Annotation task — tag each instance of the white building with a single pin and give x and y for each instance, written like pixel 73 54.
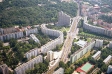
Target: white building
pixel 110 44
pixel 31 31
pixel 63 19
pixel 79 53
pixel 81 43
pixel 50 55
pixel 59 71
pixel 108 59
pixel 34 52
pixel 28 65
pixel 96 29
pixel 33 37
pixel 96 55
pixel 50 45
pixel 98 43
pixel 1 0
pixel 14 35
pixel 109 70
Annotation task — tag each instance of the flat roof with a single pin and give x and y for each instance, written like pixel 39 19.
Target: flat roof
pixel 95 55
pixel 107 59
pixel 86 67
pixel 81 43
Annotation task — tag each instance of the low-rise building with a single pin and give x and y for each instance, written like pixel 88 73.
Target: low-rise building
pixel 108 59
pixel 81 43
pixel 96 55
pixel 33 37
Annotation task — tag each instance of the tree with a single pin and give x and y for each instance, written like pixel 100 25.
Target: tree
pixel 92 61
pixel 12 42
pixel 68 71
pixel 65 33
pixel 1 44
pixel 61 64
pixel 104 68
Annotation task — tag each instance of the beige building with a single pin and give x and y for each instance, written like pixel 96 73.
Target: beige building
pixel 50 55
pixel 108 59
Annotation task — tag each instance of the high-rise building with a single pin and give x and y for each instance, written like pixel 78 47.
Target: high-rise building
pixel 109 70
pixel 4 69
pixel 50 55
pixel 63 19
pixel 98 43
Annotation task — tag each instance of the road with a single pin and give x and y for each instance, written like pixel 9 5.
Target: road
pixel 70 37
pixel 67 44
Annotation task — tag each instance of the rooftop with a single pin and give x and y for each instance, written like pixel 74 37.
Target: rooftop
pixel 95 55
pixel 81 43
pixel 107 59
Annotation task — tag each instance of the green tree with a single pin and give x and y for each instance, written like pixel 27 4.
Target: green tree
pixel 12 42
pixel 65 33
pixel 1 44
pixel 61 64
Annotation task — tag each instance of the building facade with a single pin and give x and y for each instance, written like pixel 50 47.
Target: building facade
pixel 28 65
pixel 34 38
pixel 34 52
pixel 15 35
pixel 50 45
pixel 98 43
pixel 79 53
pixel 50 55
pixel 96 55
pixel 96 29
pixel 63 19
pixel 108 59
pixel 31 31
